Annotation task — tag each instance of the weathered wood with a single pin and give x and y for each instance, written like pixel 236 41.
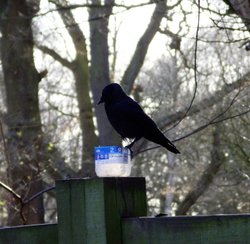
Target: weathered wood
pixel 29 234
pixel 90 210
pixel 107 210
pixel 199 229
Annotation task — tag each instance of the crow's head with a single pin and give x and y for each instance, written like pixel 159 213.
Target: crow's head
pixel 112 93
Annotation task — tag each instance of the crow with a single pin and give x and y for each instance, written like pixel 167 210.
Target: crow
pixel 129 120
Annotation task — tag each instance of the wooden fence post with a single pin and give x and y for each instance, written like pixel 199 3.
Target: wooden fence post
pixel 90 210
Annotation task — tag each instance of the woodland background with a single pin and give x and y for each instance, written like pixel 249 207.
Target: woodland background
pixel 187 65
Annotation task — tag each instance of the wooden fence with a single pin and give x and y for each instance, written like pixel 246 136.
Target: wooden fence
pixel 109 210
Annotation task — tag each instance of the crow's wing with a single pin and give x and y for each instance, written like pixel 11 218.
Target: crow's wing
pixel 128 119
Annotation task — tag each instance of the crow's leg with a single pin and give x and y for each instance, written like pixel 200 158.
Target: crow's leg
pixel 131 144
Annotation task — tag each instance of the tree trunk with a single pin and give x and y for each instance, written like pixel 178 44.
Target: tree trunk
pixel 79 67
pixel 217 159
pixel 99 72
pixel 24 123
pixel 142 47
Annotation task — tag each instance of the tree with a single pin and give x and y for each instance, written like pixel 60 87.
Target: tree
pixel 99 72
pixel 80 69
pixel 21 79
pixel 99 67
pixel 217 159
pixel 182 105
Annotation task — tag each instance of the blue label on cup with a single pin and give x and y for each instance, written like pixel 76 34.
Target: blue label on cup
pixel 110 154
pixel 102 153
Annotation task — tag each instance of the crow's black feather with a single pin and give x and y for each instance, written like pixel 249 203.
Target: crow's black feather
pixel 128 118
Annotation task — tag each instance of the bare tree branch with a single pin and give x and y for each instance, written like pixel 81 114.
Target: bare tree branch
pixel 217 119
pixel 195 71
pixel 55 55
pixel 200 128
pixel 7 188
pixel 210 123
pixel 56 108
pixel 22 202
pixel 217 159
pixel 142 47
pixel 6 152
pixel 62 7
pixel 207 102
pixel 38 194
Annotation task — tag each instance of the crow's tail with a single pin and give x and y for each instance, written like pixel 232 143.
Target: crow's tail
pixel 159 138
pixel 170 146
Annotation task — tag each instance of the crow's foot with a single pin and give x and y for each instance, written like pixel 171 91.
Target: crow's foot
pixel 131 151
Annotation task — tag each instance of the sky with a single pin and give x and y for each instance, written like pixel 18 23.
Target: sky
pixel 132 23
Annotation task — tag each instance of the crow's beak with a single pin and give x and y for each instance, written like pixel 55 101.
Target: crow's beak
pixel 101 101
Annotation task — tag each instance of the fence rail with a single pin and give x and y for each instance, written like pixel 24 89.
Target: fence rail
pixel 108 210
pixel 222 229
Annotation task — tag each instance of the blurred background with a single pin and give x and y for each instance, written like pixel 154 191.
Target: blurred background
pixel 185 62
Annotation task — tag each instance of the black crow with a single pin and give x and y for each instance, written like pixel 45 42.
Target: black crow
pixel 129 120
